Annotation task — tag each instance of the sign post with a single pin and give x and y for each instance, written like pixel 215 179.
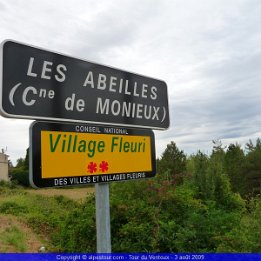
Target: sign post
pixel 103 225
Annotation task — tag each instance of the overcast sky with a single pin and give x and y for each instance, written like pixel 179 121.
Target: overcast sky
pixel 207 51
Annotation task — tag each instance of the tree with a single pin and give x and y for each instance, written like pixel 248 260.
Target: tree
pixel 23 163
pixel 217 146
pixel 20 173
pixel 200 164
pixel 234 164
pixel 250 146
pixel 173 161
pixel 20 163
pixel 252 169
pixel 26 160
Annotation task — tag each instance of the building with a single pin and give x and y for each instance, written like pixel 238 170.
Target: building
pixel 4 166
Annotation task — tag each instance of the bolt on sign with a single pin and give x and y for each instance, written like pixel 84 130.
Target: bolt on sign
pixel 39 84
pixel 70 154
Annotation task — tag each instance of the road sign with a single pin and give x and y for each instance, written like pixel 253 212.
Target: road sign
pixel 39 84
pixel 70 154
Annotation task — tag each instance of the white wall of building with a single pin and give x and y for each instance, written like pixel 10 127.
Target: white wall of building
pixel 3 166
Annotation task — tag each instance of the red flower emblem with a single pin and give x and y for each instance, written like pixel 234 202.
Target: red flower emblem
pixel 104 166
pixel 92 167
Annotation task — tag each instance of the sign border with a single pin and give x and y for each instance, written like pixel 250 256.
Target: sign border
pixel 36 127
pixel 2 112
pixel 6 114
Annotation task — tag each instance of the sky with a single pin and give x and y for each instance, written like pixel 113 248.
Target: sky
pixel 207 51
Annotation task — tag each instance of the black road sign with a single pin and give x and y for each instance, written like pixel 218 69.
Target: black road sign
pixel 39 84
pixel 70 154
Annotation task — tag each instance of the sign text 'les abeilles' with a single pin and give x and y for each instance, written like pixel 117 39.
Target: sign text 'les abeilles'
pixel 39 84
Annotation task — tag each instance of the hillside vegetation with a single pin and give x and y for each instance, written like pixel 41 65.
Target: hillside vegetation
pixel 200 203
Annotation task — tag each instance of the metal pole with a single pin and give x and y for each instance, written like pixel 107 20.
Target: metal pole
pixel 103 226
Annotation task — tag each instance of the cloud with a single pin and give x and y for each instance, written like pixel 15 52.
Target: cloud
pixel 207 52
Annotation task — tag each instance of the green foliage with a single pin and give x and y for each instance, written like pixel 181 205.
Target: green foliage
pixel 49 211
pixel 211 181
pixel 130 209
pixel 20 176
pixel 13 236
pixel 11 207
pixel 23 163
pixel 234 165
pixel 77 232
pixel 167 218
pixel 245 237
pixel 204 228
pixel 252 170
pixel 45 215
pixel 199 164
pixel 173 161
pixel 192 205
pixel 20 163
pixel 146 216
pixel 6 185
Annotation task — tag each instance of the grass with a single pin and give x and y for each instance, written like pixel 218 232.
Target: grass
pixel 15 237
pixel 41 211
pixel 72 193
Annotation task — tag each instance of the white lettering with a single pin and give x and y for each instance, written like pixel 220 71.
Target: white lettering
pixel 42 93
pixel 139 111
pixel 112 83
pixel 70 101
pixel 120 85
pixel 60 182
pixel 126 88
pixel 153 95
pixel 102 109
pixel 135 90
pixel 144 91
pixel 26 90
pixel 80 105
pixel 29 72
pixel 51 94
pixel 120 88
pixel 127 109
pixel 46 69
pixel 147 112
pixel 116 111
pixel 89 80
pixel 60 77
pixel 155 113
pixel 101 82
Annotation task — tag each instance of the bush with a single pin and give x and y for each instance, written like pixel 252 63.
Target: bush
pixel 245 236
pixel 153 216
pixel 7 185
pixel 20 176
pixel 78 231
